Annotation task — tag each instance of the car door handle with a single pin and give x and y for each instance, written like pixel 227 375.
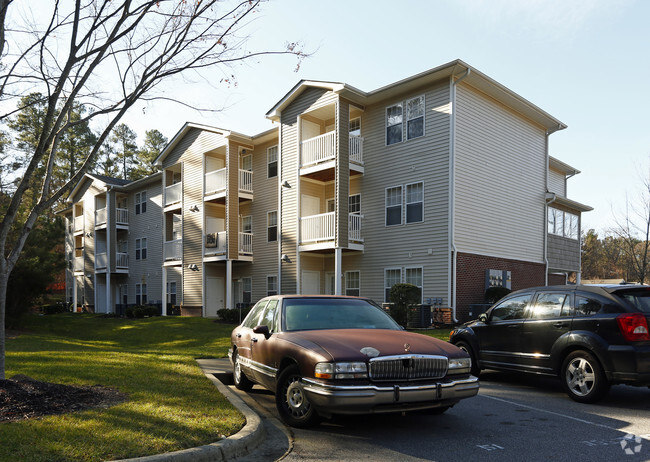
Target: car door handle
pixel 559 324
pixel 514 326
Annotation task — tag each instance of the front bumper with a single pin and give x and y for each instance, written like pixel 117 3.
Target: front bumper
pixel 364 399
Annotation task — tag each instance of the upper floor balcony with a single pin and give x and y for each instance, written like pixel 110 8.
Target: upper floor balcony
pixel 319 153
pixel 78 224
pixel 121 217
pixel 173 250
pixel 78 264
pixel 215 184
pixel 121 261
pixel 319 229
pixel 216 244
pixel 173 194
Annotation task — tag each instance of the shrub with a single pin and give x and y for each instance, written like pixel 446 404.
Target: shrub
pixel 54 308
pixel 141 311
pixel 231 316
pixel 402 296
pixel 494 294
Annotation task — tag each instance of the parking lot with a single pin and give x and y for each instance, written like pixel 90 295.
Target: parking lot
pixel 514 417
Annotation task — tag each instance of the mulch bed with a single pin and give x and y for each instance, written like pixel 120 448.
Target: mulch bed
pixel 23 398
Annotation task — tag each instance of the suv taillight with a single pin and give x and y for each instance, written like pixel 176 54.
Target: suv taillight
pixel 634 327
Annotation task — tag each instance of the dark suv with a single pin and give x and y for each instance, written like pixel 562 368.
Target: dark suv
pixel 590 336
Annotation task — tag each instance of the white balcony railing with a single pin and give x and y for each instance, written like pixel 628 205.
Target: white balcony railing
pixel 79 223
pixel 354 227
pixel 215 181
pixel 101 260
pixel 246 243
pixel 122 216
pixel 100 217
pixel 79 263
pixel 356 149
pixel 318 149
pixel 216 243
pixel 121 260
pixel 173 193
pixel 173 250
pixel 317 227
pixel 245 180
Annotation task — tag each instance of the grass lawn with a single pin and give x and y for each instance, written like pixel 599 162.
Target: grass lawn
pixel 171 404
pixel 442 334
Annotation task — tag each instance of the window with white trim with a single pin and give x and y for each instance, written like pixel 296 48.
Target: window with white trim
pixel 272 226
pixel 247 224
pixel 414 276
pixel 247 162
pixel 394 124
pixel 415 117
pixel 247 290
pixel 394 206
pixel 171 293
pixel 392 276
pixel 141 294
pixel 141 248
pixel 354 203
pixel 561 223
pixel 140 202
pixel 272 162
pixel 271 285
pixel 352 283
pixel 355 126
pixel 415 202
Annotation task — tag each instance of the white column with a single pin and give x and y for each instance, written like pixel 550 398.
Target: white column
pixel 74 289
pixel 109 295
pixel 338 270
pixel 229 284
pixel 164 291
pixel 109 233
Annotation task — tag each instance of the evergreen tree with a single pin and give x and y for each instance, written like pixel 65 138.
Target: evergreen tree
pixel 123 140
pixel 154 143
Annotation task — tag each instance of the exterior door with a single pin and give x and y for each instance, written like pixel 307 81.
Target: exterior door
pixel 310 282
pixel 214 296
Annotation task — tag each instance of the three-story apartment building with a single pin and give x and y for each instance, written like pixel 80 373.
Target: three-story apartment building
pixel 442 180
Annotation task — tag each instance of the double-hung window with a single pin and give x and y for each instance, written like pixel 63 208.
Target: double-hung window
pixel 247 224
pixel 272 226
pixel 354 204
pixel 141 294
pixel 415 117
pixel 352 283
pixel 140 202
pixel 394 124
pixel 415 202
pixel 394 206
pixel 414 276
pixel 141 248
pixel 392 276
pixel 171 293
pixel 271 285
pixel 247 290
pixel 272 161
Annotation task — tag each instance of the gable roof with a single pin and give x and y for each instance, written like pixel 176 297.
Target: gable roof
pixel 454 69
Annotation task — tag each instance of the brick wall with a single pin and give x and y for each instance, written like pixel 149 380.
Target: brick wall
pixel 470 278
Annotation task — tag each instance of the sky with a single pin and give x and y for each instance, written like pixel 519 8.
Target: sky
pixel 586 62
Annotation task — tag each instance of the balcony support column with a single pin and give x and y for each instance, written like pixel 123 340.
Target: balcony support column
pixel 164 290
pixel 229 284
pixel 338 271
pixel 109 234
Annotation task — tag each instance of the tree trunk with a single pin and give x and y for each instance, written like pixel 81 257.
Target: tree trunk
pixel 4 278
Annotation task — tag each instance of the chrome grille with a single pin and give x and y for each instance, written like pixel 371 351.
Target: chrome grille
pixel 407 367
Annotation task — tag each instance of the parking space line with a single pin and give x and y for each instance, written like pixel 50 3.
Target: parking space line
pixel 550 412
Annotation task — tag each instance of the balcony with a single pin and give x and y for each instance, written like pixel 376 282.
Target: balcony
pixel 121 260
pixel 320 228
pixel 317 156
pixel 101 260
pixel 78 265
pixel 246 243
pixel 215 182
pixel 79 224
pixel 173 194
pixel 173 250
pixel 100 217
pixel 216 243
pixel 122 216
pixel 356 149
pixel 318 150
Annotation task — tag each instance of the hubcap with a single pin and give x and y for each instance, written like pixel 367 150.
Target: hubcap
pixel 296 401
pixel 580 377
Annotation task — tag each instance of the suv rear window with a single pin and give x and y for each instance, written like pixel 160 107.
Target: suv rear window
pixel 640 299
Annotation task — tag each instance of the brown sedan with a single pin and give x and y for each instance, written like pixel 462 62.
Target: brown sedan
pixel 324 355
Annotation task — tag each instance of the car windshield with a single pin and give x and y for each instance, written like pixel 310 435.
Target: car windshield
pixel 640 299
pixel 313 314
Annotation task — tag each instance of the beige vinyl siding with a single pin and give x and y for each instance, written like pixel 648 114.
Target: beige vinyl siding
pixel 557 183
pixel 500 180
pixel 311 98
pixel 423 159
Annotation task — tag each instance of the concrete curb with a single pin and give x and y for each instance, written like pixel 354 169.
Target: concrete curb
pixel 237 445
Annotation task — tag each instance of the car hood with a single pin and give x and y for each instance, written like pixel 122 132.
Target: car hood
pixel 347 344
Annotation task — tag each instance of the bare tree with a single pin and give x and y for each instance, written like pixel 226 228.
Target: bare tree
pixel 633 233
pixel 105 55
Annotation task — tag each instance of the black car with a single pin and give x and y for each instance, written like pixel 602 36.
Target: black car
pixel 589 336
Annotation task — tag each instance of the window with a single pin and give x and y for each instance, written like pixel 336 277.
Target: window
pixel 352 283
pixel 247 224
pixel 140 202
pixel 246 162
pixel 394 206
pixel 354 204
pixel 272 161
pixel 271 285
pixel 355 126
pixel 415 202
pixel 268 318
pixel 587 306
pixel 551 306
pixel 414 276
pixel 252 320
pixel 331 205
pixel 562 223
pixel 415 117
pixel 394 124
pixel 141 294
pixel 141 248
pixel 171 293
pixel 392 276
pixel 247 290
pixel 510 309
pixel 272 226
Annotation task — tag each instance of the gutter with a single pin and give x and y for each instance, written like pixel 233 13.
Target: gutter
pixel 452 196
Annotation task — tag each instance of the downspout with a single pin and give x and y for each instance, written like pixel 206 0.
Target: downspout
pixel 546 236
pixel 280 217
pixel 453 258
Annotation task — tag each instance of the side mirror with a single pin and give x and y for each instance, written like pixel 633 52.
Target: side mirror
pixel 262 330
pixel 482 317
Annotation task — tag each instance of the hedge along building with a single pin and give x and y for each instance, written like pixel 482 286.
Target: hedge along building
pixel 442 180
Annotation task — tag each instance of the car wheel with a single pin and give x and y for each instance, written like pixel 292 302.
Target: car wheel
pixel 583 377
pixel 474 369
pixel 291 400
pixel 241 381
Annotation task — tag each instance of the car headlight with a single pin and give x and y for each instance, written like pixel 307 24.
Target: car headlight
pixel 459 365
pixel 356 370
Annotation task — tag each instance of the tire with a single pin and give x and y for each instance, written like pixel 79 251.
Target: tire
pixel 474 369
pixel 583 377
pixel 241 381
pixel 291 401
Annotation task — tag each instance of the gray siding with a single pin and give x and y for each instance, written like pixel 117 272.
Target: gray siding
pixel 563 253
pixel 556 183
pixel 500 180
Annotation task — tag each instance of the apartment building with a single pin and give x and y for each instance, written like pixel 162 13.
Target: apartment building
pixel 443 180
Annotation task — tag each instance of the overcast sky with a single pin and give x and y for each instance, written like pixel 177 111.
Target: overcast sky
pixel 586 62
